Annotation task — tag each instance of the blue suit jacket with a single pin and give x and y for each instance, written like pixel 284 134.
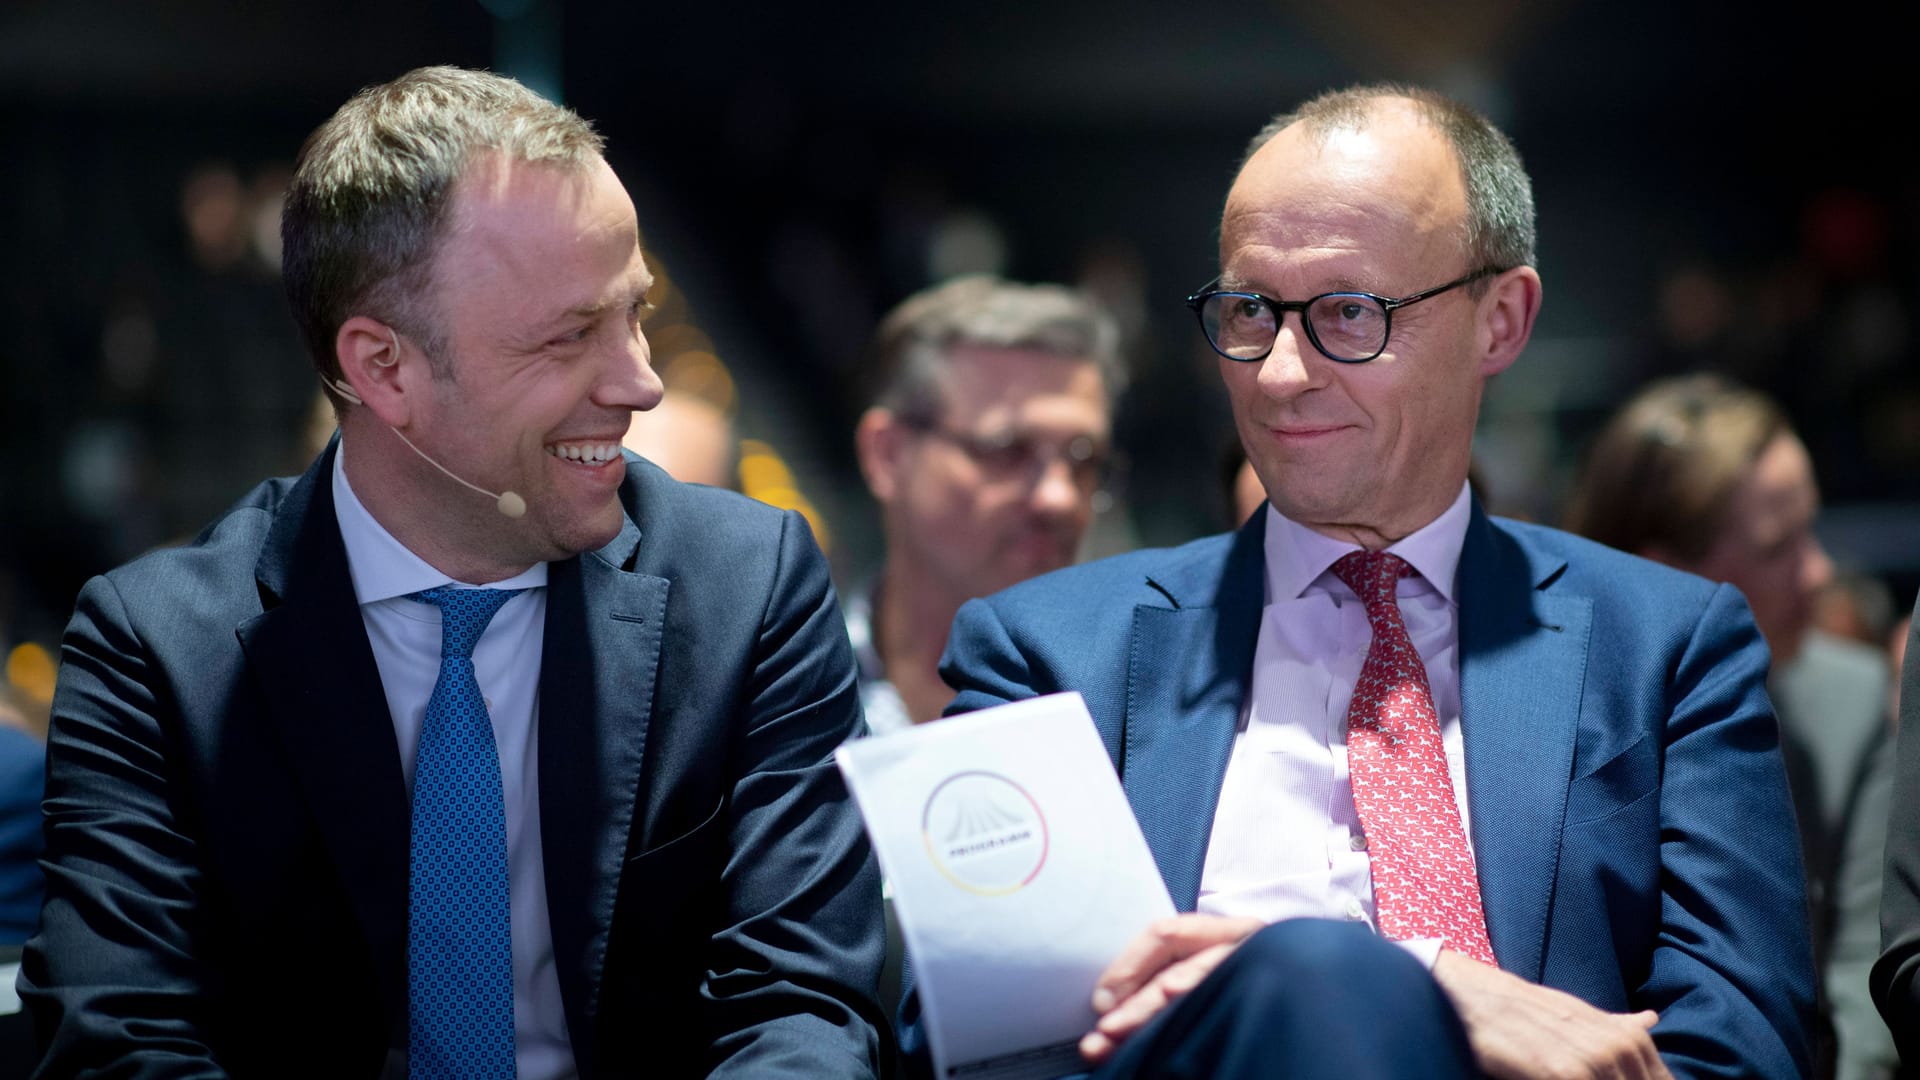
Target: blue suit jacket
pixel 228 823
pixel 1631 824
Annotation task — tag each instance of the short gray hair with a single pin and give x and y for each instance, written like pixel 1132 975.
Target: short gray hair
pixel 367 206
pixel 911 347
pixel 1500 216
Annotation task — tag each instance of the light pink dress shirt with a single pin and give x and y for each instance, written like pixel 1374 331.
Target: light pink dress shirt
pixel 1287 840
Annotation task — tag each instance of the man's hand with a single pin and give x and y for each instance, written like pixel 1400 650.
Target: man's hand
pixel 1521 1031
pixel 1165 961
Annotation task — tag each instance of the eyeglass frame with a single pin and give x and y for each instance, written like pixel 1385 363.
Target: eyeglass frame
pixel 1388 305
pixel 978 449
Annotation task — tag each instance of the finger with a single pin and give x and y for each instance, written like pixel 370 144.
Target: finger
pixel 1631 1053
pixel 1132 1014
pixel 1174 981
pixel 1646 1018
pixel 1096 1048
pixel 1148 952
pixel 1161 944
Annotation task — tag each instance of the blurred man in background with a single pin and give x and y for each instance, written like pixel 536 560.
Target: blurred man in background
pixel 1896 976
pixel 1705 475
pixel 688 436
pixel 985 446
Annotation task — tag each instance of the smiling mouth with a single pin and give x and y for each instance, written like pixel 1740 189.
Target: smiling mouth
pixel 585 453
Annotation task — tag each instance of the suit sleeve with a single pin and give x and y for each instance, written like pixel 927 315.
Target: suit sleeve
pixel 1731 972
pixel 982 663
pixel 1896 975
pixel 113 978
pixel 797 957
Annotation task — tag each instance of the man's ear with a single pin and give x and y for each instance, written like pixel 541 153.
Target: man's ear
pixel 879 441
pixel 369 352
pixel 1507 312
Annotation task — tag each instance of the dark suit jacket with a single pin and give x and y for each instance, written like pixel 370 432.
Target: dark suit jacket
pixel 23 768
pixel 228 824
pixel 1896 977
pixel 1631 825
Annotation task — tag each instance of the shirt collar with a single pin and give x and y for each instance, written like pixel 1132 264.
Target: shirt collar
pixel 858 610
pixel 380 565
pixel 1297 556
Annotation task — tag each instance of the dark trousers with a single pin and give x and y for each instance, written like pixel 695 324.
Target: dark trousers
pixel 1305 999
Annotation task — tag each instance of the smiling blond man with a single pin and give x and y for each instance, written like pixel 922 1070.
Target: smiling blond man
pixel 482 749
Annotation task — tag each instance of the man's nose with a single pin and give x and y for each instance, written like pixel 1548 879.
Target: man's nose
pixel 1816 567
pixel 629 381
pixel 1286 371
pixel 1057 489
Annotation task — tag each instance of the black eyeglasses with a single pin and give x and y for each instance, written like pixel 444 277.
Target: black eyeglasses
pixel 1013 456
pixel 1349 327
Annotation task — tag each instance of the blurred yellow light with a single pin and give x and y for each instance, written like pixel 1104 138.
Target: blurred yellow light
pixel 702 375
pixel 669 338
pixel 788 498
pixel 662 282
pixel 31 670
pixel 761 469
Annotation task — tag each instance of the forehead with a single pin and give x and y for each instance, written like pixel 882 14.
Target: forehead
pixel 1372 200
pixel 975 378
pixel 1779 488
pixel 538 233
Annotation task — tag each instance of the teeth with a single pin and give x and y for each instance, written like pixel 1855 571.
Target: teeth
pixel 587 455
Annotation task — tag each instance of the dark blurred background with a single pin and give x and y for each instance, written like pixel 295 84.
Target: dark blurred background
pixel 1719 187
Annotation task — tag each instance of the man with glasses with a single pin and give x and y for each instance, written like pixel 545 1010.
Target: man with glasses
pixel 1438 793
pixel 986 448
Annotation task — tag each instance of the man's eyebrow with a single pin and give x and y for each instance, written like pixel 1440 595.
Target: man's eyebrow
pixel 1335 285
pixel 601 307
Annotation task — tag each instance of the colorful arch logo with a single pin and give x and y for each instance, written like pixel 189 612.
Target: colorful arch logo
pixel 984 833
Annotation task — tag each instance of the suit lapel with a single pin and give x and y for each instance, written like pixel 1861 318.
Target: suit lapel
pixel 1523 663
pixel 600 657
pixel 1187 674
pixel 314 670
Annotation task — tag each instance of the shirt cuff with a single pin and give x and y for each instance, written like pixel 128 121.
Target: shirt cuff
pixel 1424 949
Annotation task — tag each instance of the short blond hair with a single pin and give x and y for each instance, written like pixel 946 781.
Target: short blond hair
pixel 366 208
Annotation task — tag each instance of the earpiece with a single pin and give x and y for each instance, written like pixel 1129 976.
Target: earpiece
pixel 508 503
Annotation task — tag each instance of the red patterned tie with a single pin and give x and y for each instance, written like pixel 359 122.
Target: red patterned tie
pixel 1424 885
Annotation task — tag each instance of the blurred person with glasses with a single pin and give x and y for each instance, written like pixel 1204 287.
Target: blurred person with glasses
pixel 988 446
pixel 1437 793
pixel 1706 475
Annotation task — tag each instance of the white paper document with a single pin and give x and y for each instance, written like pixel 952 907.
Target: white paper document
pixel 1018 873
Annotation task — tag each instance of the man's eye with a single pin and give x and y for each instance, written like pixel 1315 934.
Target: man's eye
pixel 1006 455
pixel 640 310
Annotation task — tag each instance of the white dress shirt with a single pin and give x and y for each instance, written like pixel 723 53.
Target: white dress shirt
pixel 1286 839
pixel 405 635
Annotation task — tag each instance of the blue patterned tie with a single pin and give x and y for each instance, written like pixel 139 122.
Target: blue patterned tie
pixel 459 935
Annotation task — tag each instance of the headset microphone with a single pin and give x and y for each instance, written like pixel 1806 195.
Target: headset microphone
pixel 507 502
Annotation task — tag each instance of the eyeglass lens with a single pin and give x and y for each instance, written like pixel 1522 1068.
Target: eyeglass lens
pixel 1025 458
pixel 1345 326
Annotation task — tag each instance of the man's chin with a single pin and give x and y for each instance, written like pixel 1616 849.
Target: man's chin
pixel 585 534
